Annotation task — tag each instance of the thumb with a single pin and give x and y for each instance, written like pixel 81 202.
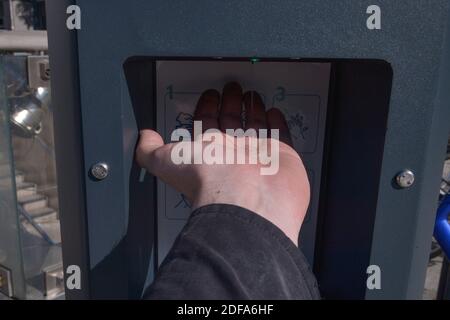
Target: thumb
pixel 149 142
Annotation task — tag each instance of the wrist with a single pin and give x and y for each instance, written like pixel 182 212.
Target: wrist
pixel 287 219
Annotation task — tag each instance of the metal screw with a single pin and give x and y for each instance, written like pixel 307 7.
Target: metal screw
pixel 100 171
pixel 405 179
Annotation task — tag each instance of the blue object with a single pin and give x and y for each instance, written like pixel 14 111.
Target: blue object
pixel 442 226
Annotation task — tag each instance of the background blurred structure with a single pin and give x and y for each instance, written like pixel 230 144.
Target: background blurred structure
pixel 30 238
pixel 22 15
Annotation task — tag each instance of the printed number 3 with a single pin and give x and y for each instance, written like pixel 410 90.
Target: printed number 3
pixel 280 94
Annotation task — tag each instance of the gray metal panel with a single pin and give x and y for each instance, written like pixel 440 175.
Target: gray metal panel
pixel 411 40
pixel 68 144
pixel 402 247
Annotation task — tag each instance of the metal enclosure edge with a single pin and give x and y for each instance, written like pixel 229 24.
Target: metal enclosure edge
pixel 417 254
pixel 68 143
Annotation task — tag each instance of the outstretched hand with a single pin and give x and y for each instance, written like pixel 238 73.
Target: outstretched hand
pixel 282 198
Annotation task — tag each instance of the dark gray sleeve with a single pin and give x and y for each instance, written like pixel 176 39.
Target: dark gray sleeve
pixel 227 252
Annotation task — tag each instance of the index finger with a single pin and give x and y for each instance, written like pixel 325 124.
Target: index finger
pixel 207 110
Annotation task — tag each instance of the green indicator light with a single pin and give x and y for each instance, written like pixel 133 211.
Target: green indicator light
pixel 254 60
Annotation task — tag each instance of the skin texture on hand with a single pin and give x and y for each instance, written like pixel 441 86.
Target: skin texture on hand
pixel 282 198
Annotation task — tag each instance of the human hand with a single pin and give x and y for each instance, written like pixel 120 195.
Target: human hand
pixel 282 198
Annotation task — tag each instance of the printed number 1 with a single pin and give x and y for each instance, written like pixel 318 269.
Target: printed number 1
pixel 170 91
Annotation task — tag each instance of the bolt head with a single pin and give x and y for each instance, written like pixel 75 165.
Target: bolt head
pixel 100 171
pixel 405 179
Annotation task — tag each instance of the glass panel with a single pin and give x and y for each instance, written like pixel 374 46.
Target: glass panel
pixel 10 249
pixel 33 196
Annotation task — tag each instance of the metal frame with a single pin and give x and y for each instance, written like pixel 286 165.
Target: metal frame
pixel 69 145
pixel 100 125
